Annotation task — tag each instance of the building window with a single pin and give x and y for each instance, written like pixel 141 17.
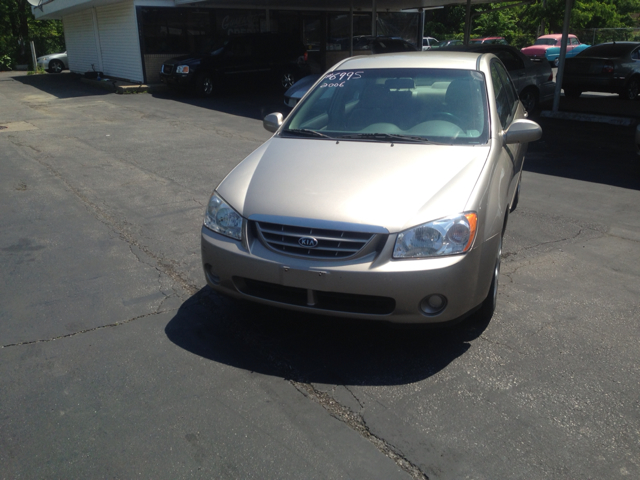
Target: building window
pixel 176 30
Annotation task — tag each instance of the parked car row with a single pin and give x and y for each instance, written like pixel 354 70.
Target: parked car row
pixel 533 81
pixel 266 57
pixel 609 67
pixel 274 58
pixel 547 47
pixel 612 67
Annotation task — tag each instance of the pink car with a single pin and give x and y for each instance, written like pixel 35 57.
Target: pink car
pixel 490 40
pixel 536 52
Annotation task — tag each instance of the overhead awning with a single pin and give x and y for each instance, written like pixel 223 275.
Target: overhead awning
pixel 58 8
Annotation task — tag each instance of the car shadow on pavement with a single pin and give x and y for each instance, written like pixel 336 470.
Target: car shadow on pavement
pixel 591 152
pixel 245 100
pixel 62 85
pixel 313 348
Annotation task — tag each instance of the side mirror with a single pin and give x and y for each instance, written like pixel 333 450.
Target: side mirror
pixel 522 131
pixel 273 121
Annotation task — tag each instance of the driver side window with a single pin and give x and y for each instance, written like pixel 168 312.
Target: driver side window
pixel 506 97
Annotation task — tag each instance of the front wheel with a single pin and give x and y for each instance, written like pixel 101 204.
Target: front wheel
pixel 204 85
pixel 488 306
pixel 286 79
pixel 516 199
pixel 529 99
pixel 56 66
pixel 631 90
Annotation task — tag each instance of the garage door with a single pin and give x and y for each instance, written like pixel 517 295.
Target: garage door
pixel 119 41
pixel 81 42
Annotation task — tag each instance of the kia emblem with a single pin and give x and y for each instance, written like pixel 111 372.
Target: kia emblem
pixel 308 242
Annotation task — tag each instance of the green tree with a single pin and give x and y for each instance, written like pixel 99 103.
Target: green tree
pixel 18 27
pixel 584 14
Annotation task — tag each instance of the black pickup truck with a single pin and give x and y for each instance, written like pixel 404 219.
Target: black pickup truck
pixel 256 57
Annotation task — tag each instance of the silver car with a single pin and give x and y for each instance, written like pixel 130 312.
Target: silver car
pixel 384 195
pixel 54 62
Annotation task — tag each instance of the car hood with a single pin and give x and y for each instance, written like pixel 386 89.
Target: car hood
pixel 302 86
pixel 393 186
pixel 187 59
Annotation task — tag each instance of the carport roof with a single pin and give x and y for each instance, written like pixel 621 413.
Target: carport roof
pixel 58 8
pixel 363 5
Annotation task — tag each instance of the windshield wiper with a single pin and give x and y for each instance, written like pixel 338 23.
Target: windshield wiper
pixel 386 136
pixel 305 132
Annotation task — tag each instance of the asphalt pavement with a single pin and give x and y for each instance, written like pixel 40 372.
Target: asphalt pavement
pixel 117 361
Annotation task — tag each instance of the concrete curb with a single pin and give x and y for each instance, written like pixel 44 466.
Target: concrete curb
pixel 589 117
pixel 122 88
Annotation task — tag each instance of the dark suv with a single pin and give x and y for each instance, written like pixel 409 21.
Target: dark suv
pixel 251 57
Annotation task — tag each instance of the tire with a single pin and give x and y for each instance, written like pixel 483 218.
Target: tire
pixel 204 85
pixel 488 306
pixel 572 92
pixel 286 79
pixel 516 199
pixel 529 99
pixel 556 62
pixel 631 89
pixel 56 66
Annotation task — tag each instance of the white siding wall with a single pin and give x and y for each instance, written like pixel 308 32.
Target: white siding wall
pixel 81 41
pixel 119 41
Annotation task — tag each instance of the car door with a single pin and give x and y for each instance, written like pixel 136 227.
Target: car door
pixel 508 109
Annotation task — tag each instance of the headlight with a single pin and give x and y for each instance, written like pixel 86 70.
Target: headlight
pixel 182 69
pixel 447 236
pixel 221 218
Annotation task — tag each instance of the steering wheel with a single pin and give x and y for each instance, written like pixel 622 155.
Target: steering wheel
pixel 449 117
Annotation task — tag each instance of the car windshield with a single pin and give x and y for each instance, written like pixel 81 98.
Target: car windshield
pixel 546 41
pixel 214 46
pixel 395 105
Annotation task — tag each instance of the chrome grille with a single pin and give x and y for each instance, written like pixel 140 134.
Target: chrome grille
pixel 167 68
pixel 330 243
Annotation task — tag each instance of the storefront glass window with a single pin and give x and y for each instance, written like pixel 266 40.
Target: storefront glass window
pixel 176 30
pixel 339 29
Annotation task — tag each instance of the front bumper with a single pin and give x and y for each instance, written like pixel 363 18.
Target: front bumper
pixel 176 80
pixel 373 287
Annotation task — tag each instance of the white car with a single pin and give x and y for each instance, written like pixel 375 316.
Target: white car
pixel 54 63
pixel 428 42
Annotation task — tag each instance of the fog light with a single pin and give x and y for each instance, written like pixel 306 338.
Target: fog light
pixel 433 304
pixel 211 277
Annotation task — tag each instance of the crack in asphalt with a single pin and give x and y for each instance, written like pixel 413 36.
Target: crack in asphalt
pixel 356 422
pixel 80 332
pixel 355 397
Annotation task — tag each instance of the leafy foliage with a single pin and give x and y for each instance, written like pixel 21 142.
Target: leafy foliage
pixel 18 27
pixel 522 24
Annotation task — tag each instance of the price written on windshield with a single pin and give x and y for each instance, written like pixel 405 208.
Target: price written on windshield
pixel 339 79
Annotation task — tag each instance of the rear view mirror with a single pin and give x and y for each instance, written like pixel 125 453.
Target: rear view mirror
pixel 272 121
pixel 522 131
